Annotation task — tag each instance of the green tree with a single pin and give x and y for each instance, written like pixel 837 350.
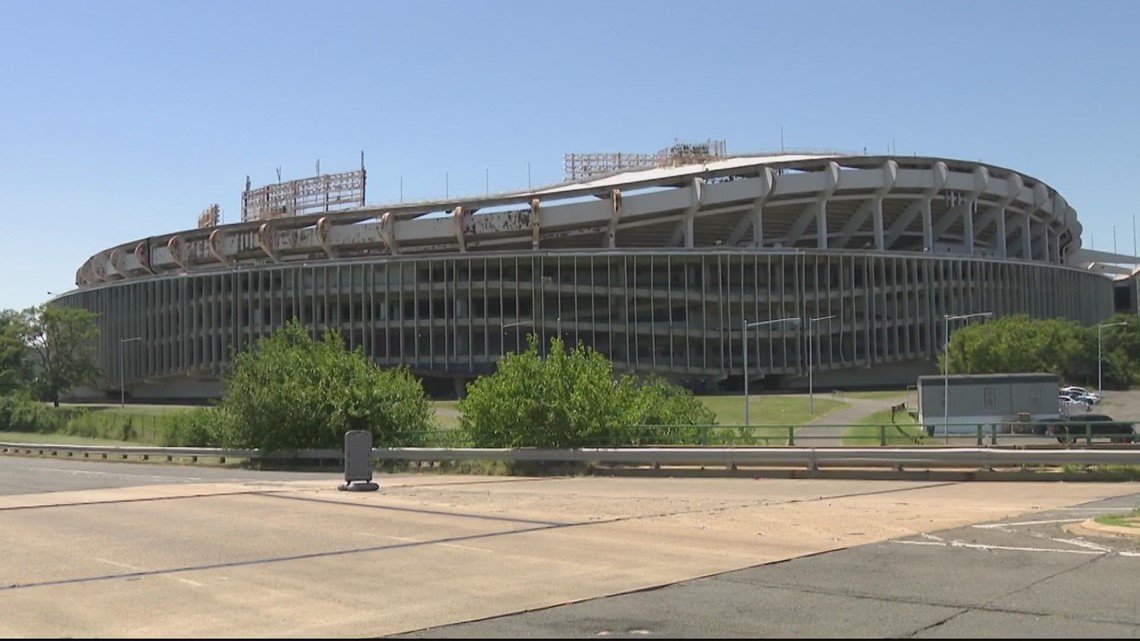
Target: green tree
pixel 15 364
pixel 290 392
pixel 570 398
pixel 1063 347
pixel 62 341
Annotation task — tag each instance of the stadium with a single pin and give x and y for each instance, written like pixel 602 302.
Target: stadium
pixel 669 262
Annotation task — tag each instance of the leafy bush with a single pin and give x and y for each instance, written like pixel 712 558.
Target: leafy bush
pixel 573 399
pixel 19 412
pixel 290 392
pixel 199 427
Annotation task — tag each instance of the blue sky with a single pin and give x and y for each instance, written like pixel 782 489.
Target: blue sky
pixel 126 119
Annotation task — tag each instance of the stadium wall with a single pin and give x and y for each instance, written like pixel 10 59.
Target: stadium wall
pixel 676 313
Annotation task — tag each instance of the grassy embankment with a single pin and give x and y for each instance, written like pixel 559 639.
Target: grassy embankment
pixel 150 424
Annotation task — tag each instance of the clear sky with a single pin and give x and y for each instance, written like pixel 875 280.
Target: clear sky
pixel 121 120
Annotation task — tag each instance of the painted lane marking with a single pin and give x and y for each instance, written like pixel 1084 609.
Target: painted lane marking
pixel 135 568
pixel 994 526
pixel 1008 548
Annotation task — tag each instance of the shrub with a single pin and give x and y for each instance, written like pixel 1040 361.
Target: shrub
pixel 290 392
pixel 573 399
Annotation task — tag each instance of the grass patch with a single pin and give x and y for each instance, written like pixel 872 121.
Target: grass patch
pixel 447 414
pixel 878 427
pixel 767 414
pixel 1131 519
pixel 768 409
pixel 58 439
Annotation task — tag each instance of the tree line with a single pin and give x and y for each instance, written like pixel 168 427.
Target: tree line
pixel 1013 344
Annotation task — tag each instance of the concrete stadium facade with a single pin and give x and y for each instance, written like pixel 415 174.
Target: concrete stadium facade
pixel 658 268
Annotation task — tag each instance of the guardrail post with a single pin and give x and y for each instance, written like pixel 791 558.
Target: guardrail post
pixel 993 434
pixel 791 436
pixel 883 435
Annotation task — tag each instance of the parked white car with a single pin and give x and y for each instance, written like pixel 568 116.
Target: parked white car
pixel 1081 394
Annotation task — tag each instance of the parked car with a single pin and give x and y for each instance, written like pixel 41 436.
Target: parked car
pixel 1079 426
pixel 1081 393
pixel 1087 398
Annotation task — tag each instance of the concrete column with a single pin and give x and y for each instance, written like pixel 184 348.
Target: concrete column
pixel 927 226
pixel 821 224
pixel 1000 244
pixel 877 221
pixel 1026 236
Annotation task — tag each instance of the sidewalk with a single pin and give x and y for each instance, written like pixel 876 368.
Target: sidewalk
pixel 856 410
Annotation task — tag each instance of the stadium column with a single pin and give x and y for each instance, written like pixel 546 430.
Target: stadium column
pixel 1026 236
pixel 765 182
pixel 981 183
pixel 832 181
pixel 767 185
pixel 697 190
pixel 940 175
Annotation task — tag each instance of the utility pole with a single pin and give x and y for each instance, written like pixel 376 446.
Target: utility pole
pixel 811 369
pixel 946 319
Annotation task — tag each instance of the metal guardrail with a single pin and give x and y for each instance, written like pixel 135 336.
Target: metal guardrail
pixel 806 457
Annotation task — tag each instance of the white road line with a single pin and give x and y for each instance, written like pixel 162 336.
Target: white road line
pixel 1083 544
pixel 464 547
pixel 117 563
pixel 931 537
pixel 135 568
pixel 979 546
pixel 991 526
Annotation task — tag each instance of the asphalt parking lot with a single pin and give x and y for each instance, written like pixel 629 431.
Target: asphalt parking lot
pixel 146 554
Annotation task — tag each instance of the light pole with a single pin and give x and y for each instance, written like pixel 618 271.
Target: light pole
pixel 811 380
pixel 122 376
pixel 744 348
pixel 507 326
pixel 946 318
pixel 1099 358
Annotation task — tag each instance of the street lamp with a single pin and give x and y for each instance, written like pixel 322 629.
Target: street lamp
pixel 507 326
pixel 1099 358
pixel 811 381
pixel 744 348
pixel 946 318
pixel 122 376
